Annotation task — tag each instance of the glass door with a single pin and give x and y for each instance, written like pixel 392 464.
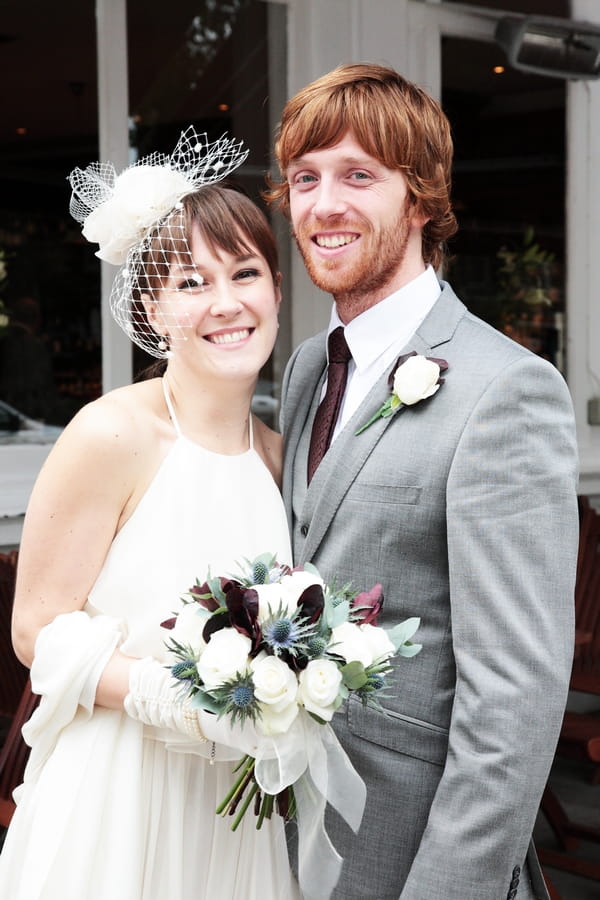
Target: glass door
pixel 507 262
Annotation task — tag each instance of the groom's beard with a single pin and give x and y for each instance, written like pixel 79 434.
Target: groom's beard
pixel 361 282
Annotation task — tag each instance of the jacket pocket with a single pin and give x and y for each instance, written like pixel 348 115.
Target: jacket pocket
pixel 403 734
pixel 362 492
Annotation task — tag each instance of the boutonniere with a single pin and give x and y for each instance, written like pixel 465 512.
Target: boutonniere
pixel 413 378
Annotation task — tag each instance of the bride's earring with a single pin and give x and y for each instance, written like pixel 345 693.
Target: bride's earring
pixel 162 344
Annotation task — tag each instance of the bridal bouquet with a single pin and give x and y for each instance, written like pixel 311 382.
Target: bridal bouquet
pixel 282 649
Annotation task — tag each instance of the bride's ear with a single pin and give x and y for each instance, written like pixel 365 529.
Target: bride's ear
pixel 151 310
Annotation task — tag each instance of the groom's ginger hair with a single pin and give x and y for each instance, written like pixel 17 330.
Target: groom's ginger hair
pixel 393 120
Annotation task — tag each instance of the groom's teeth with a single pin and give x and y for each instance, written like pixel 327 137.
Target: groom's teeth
pixel 230 337
pixel 335 240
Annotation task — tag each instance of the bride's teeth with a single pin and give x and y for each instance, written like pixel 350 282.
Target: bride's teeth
pixel 335 240
pixel 230 337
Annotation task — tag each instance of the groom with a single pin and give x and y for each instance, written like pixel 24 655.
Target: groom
pixel 462 505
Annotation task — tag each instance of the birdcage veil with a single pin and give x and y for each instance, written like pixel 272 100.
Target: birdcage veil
pixel 137 219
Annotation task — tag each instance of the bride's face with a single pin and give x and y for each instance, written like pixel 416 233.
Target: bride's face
pixel 220 310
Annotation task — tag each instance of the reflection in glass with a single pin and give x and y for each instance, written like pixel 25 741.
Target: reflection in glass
pixel 507 261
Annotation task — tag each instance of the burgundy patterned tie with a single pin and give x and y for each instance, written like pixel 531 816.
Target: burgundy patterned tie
pixel 327 413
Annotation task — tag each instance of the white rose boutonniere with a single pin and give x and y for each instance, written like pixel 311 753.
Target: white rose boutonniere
pixel 413 378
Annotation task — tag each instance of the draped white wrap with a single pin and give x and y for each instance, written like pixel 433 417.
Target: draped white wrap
pixel 310 757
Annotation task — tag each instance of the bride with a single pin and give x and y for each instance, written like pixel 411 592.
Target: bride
pixel 147 488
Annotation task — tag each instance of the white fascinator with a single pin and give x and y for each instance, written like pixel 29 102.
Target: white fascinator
pixel 126 213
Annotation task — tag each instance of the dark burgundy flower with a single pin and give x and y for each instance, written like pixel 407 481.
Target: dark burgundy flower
pixel 169 623
pixel 215 623
pixel 311 602
pixel 242 604
pixel 367 605
pixel 203 595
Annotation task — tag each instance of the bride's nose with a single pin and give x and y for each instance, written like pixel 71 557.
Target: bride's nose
pixel 225 303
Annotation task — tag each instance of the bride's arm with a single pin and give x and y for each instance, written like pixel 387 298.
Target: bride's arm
pixel 76 507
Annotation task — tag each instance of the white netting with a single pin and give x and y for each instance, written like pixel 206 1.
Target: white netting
pixel 136 220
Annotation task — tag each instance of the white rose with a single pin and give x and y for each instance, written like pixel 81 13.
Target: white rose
pixel 269 598
pixel 319 687
pixel 348 641
pixel 141 196
pixel 416 379
pixel 225 655
pixel 274 721
pixel 188 627
pixel 275 684
pixel 378 642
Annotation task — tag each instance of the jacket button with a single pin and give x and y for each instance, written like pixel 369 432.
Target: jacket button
pixel 304 530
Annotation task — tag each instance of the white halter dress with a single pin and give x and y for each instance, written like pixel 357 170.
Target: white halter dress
pixel 108 811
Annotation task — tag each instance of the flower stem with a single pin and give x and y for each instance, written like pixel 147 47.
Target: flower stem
pixel 244 806
pixel 374 418
pixel 240 784
pixel 265 810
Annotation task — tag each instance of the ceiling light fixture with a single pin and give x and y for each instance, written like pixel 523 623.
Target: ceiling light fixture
pixel 549 46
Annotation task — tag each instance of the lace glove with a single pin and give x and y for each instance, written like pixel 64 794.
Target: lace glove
pixel 153 699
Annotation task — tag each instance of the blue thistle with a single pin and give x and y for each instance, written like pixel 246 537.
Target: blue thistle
pixel 242 695
pixel 260 573
pixel 375 681
pixel 235 698
pixel 316 647
pixel 284 633
pixel 185 670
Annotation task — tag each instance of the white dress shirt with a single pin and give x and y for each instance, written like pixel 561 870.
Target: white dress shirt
pixel 378 335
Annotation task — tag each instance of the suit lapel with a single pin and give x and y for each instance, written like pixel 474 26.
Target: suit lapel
pixel 342 463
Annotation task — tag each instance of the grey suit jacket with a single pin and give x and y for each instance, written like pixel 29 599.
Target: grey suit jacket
pixel 464 508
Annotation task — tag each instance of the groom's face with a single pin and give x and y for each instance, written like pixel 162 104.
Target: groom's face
pixel 354 223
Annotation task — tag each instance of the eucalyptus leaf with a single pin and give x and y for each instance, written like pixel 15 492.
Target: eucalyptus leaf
pixel 354 675
pixel 337 615
pixel 403 632
pixel 407 650
pixel 203 700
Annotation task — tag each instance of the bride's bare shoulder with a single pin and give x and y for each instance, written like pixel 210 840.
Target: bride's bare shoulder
pixel 123 420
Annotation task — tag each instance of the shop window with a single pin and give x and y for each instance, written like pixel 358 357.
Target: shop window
pixel 507 261
pixel 210 64
pixel 49 285
pixel 212 68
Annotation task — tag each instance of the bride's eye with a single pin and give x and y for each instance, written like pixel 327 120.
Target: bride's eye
pixel 192 283
pixel 246 274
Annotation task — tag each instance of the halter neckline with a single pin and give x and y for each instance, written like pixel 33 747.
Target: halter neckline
pixel 178 432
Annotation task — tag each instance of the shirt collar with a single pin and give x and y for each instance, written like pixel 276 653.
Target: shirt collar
pixel 393 320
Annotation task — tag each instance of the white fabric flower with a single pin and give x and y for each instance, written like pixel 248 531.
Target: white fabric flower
pixel 141 196
pixel 416 379
pixel 319 687
pixel 378 642
pixel 225 655
pixel 348 641
pixel 275 684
